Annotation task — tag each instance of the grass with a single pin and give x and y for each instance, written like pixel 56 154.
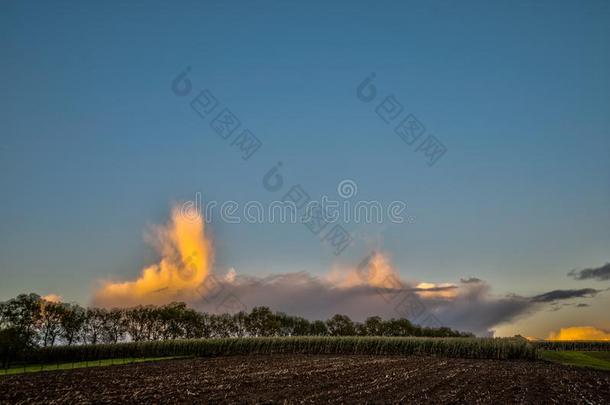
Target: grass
pixel 33 368
pixel 597 360
pixel 573 345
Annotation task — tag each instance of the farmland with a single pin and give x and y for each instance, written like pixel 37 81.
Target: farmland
pixel 314 369
pixel 498 348
pixel 314 378
pixel 175 354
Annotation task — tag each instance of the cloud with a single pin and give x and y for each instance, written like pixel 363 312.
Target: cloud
pixel 470 280
pixel 556 295
pixel 362 292
pixel 375 270
pixel 476 309
pixel 601 273
pixel 580 333
pixel 53 298
pixel 374 287
pixel 186 259
pixel 432 290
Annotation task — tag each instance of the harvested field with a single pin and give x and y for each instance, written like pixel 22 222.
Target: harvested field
pixel 303 378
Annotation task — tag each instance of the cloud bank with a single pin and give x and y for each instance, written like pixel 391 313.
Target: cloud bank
pixel 373 287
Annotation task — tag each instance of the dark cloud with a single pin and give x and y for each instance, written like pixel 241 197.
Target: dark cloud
pixel 581 305
pixel 472 309
pixel 557 295
pixel 470 280
pixel 601 273
pixel 469 306
pixel 479 312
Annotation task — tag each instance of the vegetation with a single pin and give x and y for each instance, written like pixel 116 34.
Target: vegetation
pixel 478 348
pixel 12 345
pixel 34 330
pixel 29 321
pixel 33 368
pixel 578 345
pixel 598 360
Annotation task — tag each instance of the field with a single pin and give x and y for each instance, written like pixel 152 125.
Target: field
pixel 314 369
pixel 314 378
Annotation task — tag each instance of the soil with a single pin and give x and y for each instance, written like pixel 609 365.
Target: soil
pixel 314 379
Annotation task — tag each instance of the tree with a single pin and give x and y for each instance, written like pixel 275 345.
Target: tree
pixel 341 325
pixel 444 332
pixel 23 314
pixel 417 330
pixel 318 328
pixel 262 322
pixel 12 345
pixel 194 324
pixel 28 321
pixel 240 320
pixel 71 322
pixel 93 325
pixel 374 326
pixel 399 327
pixel 169 321
pixel 285 324
pixel 51 314
pixel 113 326
pixel 141 322
pixel 134 323
pixel 301 326
pixel 222 326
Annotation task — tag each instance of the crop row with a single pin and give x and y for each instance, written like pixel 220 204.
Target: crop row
pixel 479 348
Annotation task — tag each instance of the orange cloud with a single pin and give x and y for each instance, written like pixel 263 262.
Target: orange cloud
pixel 53 298
pixel 186 260
pixel 580 333
pixel 442 290
pixel 378 272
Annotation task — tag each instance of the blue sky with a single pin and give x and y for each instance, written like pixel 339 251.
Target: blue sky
pixel 95 147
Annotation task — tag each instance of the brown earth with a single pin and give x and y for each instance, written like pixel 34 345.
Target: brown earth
pixel 314 379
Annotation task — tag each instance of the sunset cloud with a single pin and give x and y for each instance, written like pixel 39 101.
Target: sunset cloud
pixel 186 260
pixel 375 271
pixel 373 287
pixel 432 290
pixel 580 333
pixel 53 298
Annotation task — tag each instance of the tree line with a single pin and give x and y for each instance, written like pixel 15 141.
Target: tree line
pixel 29 321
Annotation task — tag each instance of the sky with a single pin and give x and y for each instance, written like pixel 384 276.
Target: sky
pixel 98 147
